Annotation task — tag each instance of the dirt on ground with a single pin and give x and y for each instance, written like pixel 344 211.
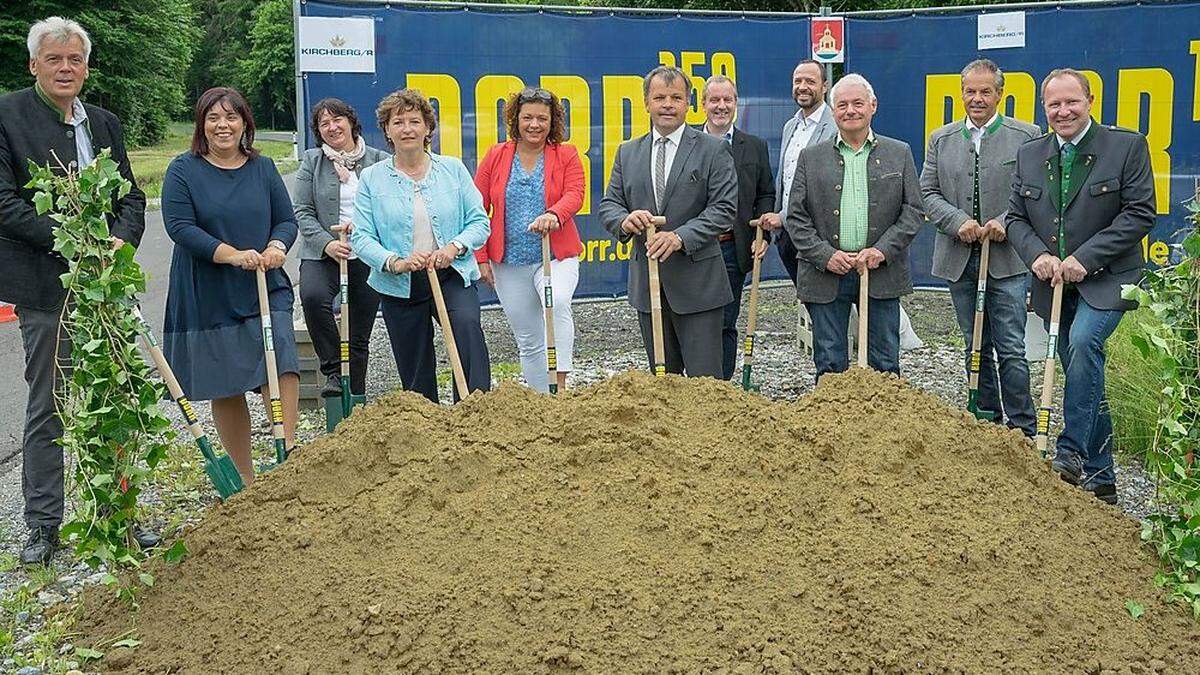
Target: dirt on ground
pixel 658 525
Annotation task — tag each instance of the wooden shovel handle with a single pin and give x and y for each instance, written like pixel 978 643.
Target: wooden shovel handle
pixel 864 300
pixel 460 378
pixel 264 311
pixel 1043 413
pixel 656 322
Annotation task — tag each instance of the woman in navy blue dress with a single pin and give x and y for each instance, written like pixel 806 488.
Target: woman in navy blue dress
pixel 225 207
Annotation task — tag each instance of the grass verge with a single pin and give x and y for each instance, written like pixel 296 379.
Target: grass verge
pixel 150 162
pixel 1133 389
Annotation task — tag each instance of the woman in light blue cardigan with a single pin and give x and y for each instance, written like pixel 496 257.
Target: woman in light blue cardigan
pixel 413 212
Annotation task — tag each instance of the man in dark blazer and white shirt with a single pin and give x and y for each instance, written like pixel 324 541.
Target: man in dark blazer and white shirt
pixel 756 197
pixel 855 203
pixel 812 124
pixel 34 123
pixel 688 177
pixel 1082 199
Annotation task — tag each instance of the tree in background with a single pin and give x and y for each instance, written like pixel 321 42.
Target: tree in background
pixel 268 73
pixel 139 52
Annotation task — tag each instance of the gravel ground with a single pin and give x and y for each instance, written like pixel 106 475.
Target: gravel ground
pixel 607 342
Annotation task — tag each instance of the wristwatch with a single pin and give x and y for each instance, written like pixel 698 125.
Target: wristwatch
pixel 462 248
pixel 275 243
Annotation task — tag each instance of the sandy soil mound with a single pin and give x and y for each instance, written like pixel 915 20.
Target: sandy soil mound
pixel 666 525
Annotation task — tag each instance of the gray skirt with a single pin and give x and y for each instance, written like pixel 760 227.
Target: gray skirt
pixel 229 361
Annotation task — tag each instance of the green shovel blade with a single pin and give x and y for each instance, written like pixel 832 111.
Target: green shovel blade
pixel 973 407
pixel 221 470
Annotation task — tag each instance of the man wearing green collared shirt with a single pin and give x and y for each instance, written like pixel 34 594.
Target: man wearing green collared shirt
pixel 854 193
pixel 855 204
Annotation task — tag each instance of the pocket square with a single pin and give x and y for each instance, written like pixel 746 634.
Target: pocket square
pixel 892 174
pixel 694 176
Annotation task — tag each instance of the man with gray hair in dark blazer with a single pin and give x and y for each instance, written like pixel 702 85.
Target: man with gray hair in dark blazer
pixel 1082 199
pixel 966 182
pixel 855 204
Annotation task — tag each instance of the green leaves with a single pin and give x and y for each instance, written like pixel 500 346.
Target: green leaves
pixel 112 427
pixel 1135 610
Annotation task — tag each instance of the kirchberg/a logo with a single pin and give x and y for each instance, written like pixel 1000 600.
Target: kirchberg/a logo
pixel 337 47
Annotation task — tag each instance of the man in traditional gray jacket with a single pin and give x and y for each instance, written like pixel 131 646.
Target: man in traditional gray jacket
pixel 855 203
pixel 688 177
pixel 1083 198
pixel 966 182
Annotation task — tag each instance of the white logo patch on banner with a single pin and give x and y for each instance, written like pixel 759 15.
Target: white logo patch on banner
pixel 1000 31
pixel 337 45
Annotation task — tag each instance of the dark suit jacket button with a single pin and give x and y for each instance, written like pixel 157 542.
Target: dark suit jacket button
pixel 70 133
pixel 1027 193
pixel 1053 238
pixel 836 212
pixel 837 187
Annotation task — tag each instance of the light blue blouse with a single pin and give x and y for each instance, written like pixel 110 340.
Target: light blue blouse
pixel 383 222
pixel 524 201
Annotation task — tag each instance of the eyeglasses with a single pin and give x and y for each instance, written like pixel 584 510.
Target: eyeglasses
pixel 532 94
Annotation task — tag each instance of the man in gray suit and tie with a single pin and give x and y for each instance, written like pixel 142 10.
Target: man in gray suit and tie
pixel 966 182
pixel 812 124
pixel 688 177
pixel 855 203
pixel 1082 199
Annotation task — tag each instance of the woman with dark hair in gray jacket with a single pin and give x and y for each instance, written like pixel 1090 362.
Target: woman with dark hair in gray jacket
pixel 326 185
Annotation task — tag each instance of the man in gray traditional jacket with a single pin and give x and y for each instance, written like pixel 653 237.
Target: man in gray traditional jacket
pixel 966 182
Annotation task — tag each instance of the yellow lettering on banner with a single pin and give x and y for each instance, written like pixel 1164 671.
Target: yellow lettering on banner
pixel 1159 253
pixel 619 89
pixel 577 97
pixel 443 91
pixel 938 88
pixel 667 59
pixel 1159 88
pixel 624 249
pixel 1097 85
pixel 687 63
pixel 491 91
pixel 1194 50
pixel 1020 96
pixel 723 64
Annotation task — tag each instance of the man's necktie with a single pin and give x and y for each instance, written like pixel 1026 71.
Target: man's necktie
pixel 660 172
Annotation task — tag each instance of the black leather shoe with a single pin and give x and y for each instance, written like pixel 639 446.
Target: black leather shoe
pixel 332 388
pixel 1068 466
pixel 1105 492
pixel 146 539
pixel 40 548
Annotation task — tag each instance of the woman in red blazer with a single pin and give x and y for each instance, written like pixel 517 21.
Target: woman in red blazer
pixel 533 184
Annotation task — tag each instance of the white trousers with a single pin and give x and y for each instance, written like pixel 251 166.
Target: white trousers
pixel 520 290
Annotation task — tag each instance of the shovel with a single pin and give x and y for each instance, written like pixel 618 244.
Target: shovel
pixel 864 300
pixel 1043 413
pixel 276 407
pixel 752 319
pixel 548 304
pixel 338 409
pixel 656 324
pixel 977 340
pixel 460 378
pixel 220 468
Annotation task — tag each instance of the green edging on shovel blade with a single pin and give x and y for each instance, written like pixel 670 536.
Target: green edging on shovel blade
pixel 220 469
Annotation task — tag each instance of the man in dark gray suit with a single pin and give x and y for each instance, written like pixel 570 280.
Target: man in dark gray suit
pixel 688 177
pixel 1082 199
pixel 966 182
pixel 855 202
pixel 756 198
pixel 812 124
pixel 38 124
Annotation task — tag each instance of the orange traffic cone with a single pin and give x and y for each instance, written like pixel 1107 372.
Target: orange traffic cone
pixel 7 313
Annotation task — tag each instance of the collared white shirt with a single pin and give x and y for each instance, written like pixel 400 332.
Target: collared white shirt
pixel 673 141
pixel 976 133
pixel 727 136
pixel 1078 137
pixel 83 137
pixel 806 125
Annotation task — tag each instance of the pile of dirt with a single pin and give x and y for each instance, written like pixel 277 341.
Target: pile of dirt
pixel 667 525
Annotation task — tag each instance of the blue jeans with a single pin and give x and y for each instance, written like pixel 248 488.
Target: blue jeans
pixel 1003 334
pixel 729 331
pixel 831 320
pixel 1087 426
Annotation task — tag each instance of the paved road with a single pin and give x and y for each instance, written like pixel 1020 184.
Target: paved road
pixel 154 255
